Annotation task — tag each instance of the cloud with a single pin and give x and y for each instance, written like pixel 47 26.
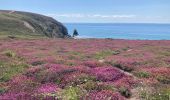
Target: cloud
pixel 111 16
pixel 67 15
pixel 91 16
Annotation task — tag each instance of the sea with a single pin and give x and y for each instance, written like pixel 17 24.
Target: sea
pixel 131 31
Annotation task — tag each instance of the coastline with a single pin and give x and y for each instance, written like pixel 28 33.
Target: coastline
pixel 121 31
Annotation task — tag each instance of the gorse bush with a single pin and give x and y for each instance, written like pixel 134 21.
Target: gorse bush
pixel 125 92
pixel 10 53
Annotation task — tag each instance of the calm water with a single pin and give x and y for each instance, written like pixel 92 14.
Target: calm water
pixel 122 31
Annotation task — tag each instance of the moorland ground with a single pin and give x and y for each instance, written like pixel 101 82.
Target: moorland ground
pixel 90 69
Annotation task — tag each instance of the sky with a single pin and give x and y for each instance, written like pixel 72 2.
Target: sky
pixel 95 11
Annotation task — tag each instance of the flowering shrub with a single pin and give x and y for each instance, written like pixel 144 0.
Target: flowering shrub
pixel 32 71
pixel 92 69
pixel 127 81
pixel 47 88
pixel 125 64
pixel 107 73
pixel 161 74
pixel 104 95
pixel 20 79
pixel 16 96
pixel 93 64
pixel 27 87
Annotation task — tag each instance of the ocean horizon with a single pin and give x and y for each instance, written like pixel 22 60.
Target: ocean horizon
pixel 130 31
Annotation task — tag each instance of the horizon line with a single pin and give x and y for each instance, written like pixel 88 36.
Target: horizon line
pixel 112 23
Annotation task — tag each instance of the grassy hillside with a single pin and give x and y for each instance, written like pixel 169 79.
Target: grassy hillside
pixel 24 24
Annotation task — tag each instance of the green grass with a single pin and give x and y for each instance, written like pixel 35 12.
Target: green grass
pixel 12 67
pixel 10 70
pixel 161 94
pixel 142 74
pixel 71 93
pixel 7 35
pixel 75 55
pixel 2 90
pixel 13 25
pixel 105 53
pixel 165 53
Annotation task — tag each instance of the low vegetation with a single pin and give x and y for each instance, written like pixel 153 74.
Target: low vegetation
pixel 142 74
pixel 90 69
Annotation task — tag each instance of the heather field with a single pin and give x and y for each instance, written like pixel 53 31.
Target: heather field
pixel 84 69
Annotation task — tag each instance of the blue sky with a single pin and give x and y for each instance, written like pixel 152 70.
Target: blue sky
pixel 96 11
